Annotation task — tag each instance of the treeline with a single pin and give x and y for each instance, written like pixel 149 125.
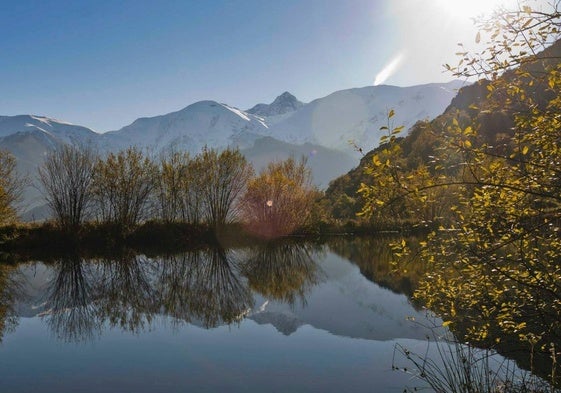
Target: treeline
pixel 211 188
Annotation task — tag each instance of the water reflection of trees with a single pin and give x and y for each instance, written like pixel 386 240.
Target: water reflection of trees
pixel 204 286
pixel 281 271
pixel 83 295
pixel 10 290
pixel 124 294
pixel 72 316
pixel 208 287
pixel 374 258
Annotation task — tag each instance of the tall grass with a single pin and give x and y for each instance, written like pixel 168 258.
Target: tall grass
pixel 448 366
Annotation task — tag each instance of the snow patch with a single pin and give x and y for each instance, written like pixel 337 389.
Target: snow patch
pixel 237 112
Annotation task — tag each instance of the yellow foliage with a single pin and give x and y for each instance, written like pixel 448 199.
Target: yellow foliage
pixel 494 193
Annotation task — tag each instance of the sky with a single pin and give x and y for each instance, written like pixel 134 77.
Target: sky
pixel 103 64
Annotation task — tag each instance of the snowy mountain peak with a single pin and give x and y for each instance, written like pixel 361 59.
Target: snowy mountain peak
pixel 62 131
pixel 48 120
pixel 284 103
pixel 286 98
pixel 203 123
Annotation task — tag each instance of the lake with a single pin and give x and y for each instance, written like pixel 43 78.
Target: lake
pixel 282 317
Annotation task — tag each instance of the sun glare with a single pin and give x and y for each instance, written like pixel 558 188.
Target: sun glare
pixel 472 8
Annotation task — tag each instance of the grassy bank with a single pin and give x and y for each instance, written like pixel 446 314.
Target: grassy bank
pixel 151 238
pixel 48 239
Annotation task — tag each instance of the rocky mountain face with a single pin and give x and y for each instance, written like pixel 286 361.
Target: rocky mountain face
pixel 420 142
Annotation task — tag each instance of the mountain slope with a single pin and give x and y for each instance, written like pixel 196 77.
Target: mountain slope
pixel 204 123
pixel 347 115
pixel 56 129
pixel 341 197
pixel 325 164
pixel 357 114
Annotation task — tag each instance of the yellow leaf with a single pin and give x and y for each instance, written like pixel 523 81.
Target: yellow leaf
pixel 446 323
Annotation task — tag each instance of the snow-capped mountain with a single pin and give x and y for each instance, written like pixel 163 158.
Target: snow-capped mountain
pixel 285 103
pixel 332 121
pixel 204 123
pixel 352 115
pixel 356 115
pixel 55 131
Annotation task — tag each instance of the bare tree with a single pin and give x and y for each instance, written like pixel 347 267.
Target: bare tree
pixel 193 191
pixel 11 187
pixel 123 186
pixel 224 179
pixel 172 187
pixel 66 177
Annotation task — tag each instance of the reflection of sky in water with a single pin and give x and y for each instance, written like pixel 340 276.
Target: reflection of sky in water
pixel 250 357
pixel 340 337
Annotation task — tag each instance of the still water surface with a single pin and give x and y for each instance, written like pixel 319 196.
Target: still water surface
pixel 278 318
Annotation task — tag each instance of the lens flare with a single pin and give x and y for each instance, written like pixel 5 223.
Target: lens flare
pixel 389 69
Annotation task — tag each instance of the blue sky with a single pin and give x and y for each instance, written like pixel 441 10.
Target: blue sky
pixel 102 64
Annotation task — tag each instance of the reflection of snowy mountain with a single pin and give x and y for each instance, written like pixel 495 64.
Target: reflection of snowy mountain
pixel 285 323
pixel 346 304
pixel 34 279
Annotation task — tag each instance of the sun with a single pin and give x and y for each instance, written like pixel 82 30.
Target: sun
pixel 472 8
